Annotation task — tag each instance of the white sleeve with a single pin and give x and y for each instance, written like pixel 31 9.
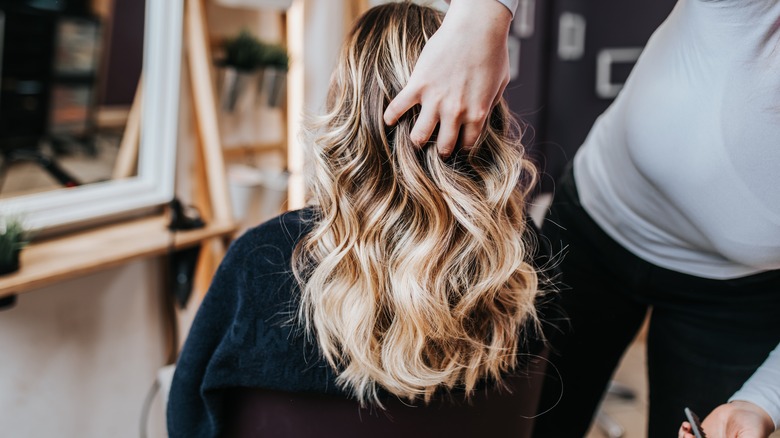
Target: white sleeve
pixel 763 387
pixel 510 4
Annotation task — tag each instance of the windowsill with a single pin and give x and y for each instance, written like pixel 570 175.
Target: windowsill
pixel 82 253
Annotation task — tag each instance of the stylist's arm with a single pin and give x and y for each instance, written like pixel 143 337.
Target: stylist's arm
pixel 461 72
pixel 738 419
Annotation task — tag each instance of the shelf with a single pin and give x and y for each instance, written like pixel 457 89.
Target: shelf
pixel 77 254
pixel 234 152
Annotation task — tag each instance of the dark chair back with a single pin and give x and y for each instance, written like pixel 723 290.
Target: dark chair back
pixel 492 413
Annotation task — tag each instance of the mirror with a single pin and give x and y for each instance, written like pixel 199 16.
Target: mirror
pixel 81 135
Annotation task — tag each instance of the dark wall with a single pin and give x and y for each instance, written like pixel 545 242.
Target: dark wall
pixel 555 91
pixel 124 53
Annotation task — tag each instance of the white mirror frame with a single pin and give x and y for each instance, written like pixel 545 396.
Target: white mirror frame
pixel 154 182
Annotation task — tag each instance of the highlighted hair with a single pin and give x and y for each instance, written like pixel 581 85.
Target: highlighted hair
pixel 416 275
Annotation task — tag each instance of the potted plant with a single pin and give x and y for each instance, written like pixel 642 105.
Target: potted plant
pixel 13 237
pixel 275 62
pixel 243 55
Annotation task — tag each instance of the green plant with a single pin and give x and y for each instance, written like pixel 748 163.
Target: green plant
pixel 13 237
pixel 244 52
pixel 275 56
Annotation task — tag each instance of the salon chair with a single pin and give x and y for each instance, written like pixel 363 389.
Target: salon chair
pixel 506 412
pixel 494 413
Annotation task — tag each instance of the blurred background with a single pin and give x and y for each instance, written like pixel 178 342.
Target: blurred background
pixel 70 73
pixel 105 101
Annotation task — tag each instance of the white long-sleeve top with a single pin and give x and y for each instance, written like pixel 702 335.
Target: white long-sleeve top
pixel 510 4
pixel 683 169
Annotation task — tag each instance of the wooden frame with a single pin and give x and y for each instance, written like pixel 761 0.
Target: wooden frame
pixel 153 184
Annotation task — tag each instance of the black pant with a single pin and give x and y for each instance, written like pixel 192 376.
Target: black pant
pixel 706 336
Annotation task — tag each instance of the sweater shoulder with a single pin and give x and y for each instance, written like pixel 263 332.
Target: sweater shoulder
pixel 271 243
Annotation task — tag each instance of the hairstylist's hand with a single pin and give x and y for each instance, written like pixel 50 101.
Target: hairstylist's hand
pixel 461 73
pixel 738 419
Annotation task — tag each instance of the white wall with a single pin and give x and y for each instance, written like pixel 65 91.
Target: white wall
pixel 77 358
pixel 315 31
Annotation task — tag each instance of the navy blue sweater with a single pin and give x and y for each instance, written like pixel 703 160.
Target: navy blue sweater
pixel 242 335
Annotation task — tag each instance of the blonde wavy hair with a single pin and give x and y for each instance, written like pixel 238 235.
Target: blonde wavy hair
pixel 415 276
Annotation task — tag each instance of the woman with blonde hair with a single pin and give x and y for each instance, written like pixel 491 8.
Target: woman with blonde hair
pixel 403 301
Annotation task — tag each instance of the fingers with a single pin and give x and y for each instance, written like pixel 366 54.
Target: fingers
pixel 471 133
pixel 685 431
pixel 448 136
pixel 469 123
pixel 407 98
pixel 450 129
pixel 424 126
pixel 472 130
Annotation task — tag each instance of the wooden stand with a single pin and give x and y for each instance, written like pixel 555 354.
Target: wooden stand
pixel 198 61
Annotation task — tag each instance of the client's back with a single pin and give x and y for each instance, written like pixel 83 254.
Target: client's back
pixel 403 302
